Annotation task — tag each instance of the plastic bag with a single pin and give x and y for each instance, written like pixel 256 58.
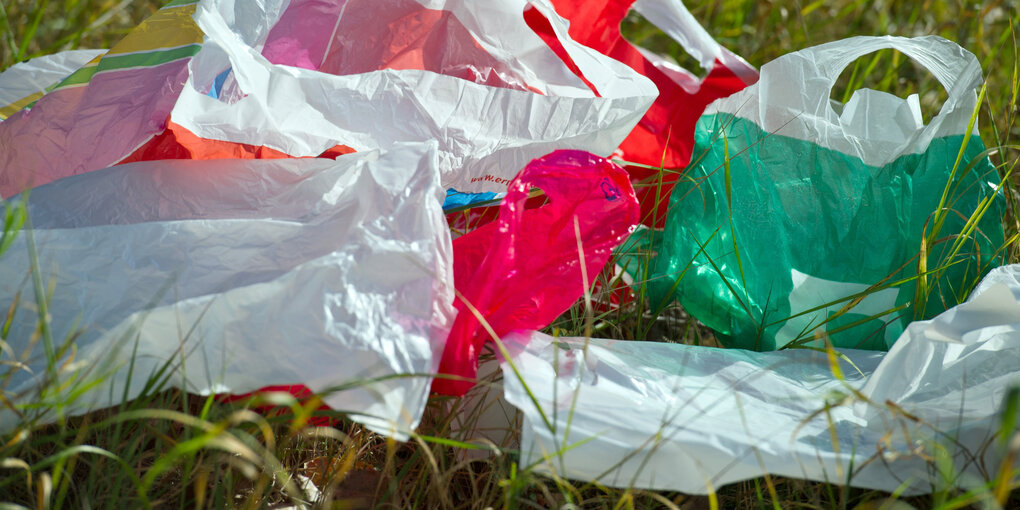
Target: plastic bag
pixel 24 83
pixel 800 206
pixel 665 135
pixel 308 78
pixel 692 419
pixel 525 269
pixel 238 275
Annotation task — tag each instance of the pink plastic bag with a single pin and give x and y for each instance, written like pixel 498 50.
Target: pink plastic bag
pixel 523 270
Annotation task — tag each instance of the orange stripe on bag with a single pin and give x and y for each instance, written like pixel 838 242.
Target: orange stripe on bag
pixel 177 142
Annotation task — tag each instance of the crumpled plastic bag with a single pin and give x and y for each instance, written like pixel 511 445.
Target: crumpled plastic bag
pixel 665 135
pixel 799 205
pixel 691 419
pixel 525 269
pixel 335 275
pixel 220 78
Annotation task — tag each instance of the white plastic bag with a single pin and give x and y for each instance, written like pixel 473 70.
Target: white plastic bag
pixel 304 76
pixel 486 133
pixel 678 417
pixel 240 275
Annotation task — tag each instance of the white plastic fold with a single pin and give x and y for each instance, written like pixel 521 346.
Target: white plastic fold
pixel 874 127
pixel 673 18
pixel 677 417
pixel 241 274
pixel 521 103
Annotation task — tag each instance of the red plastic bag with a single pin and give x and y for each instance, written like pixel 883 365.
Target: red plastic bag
pixel 665 135
pixel 299 391
pixel 523 270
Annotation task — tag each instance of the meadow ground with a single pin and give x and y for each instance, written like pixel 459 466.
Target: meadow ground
pixel 168 449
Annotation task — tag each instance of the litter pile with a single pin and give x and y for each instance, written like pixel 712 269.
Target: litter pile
pixel 242 195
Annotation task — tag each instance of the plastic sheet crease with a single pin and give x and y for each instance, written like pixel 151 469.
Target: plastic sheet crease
pixel 691 419
pixel 241 274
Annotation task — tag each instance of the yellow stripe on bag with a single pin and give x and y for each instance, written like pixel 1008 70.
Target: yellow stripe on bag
pixel 11 109
pixel 167 28
pixel 87 70
pixel 169 34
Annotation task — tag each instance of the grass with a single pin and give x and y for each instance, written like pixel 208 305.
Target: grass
pixel 169 449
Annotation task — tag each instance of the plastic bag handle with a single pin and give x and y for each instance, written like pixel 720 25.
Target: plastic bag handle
pixel 673 18
pixel 957 69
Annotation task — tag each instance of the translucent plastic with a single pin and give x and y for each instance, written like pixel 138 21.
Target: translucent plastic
pixel 314 78
pixel 804 219
pixel 665 135
pixel 928 414
pixel 333 275
pixel 524 270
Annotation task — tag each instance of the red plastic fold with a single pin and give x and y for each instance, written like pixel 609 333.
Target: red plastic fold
pixel 177 142
pixel 299 391
pixel 665 135
pixel 523 270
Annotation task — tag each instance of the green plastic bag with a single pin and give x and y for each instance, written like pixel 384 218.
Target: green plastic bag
pixel 801 218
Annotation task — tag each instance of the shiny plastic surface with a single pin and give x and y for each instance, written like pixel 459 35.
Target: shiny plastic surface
pixel 524 270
